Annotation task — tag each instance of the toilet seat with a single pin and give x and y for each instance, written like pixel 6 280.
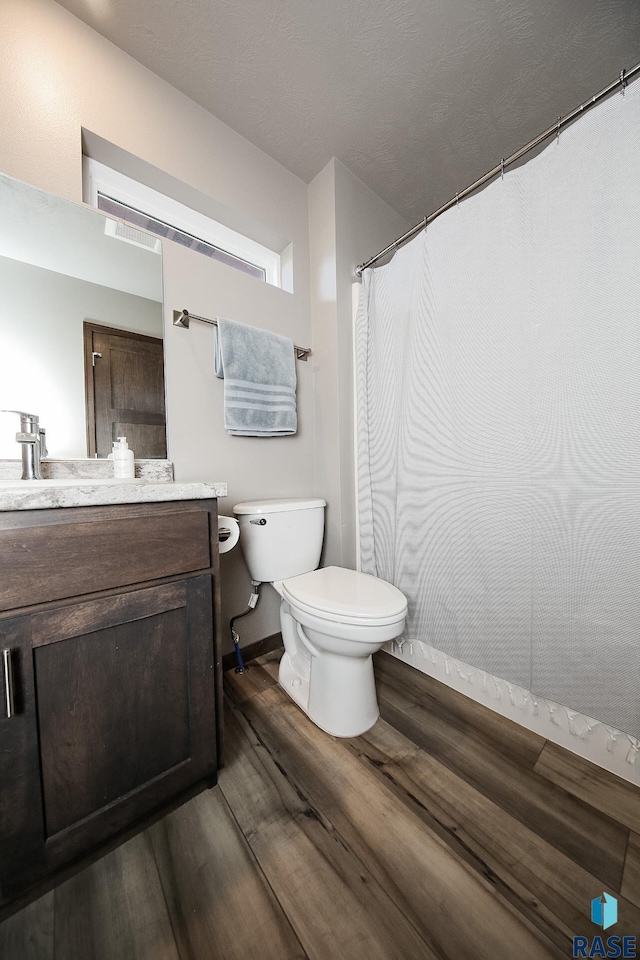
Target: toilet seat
pixel 345 596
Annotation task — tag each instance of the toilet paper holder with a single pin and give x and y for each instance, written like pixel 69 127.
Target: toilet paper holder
pixel 228 533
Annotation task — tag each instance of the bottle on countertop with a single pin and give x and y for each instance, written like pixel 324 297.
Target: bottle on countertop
pixel 123 461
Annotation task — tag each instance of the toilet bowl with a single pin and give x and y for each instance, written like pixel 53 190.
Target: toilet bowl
pixel 332 619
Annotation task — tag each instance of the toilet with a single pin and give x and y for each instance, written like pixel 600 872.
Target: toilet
pixel 332 619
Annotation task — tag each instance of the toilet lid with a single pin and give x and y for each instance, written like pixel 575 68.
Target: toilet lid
pixel 334 593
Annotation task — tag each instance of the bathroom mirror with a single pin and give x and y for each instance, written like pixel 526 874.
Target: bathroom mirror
pixel 80 327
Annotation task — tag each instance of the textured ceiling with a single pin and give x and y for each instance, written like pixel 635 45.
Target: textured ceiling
pixel 417 97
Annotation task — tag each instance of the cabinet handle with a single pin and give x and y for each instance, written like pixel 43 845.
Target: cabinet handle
pixel 9 702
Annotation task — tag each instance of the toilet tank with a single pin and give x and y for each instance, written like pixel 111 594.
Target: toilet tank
pixel 280 538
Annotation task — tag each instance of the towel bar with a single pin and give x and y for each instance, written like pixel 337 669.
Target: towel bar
pixel 181 318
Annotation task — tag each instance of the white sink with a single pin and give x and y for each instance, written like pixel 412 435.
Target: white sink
pixel 64 482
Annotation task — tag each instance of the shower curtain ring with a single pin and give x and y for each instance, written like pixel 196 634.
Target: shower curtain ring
pixel 623 81
pixel 457 199
pixel 558 131
pixel 502 169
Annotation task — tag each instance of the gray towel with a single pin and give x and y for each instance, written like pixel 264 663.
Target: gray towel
pixel 259 371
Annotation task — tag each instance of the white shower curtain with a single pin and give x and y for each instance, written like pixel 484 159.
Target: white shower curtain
pixel 498 394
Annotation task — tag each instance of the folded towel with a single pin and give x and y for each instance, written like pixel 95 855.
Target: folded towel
pixel 259 371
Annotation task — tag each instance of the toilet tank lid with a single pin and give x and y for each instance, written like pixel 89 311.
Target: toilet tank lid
pixel 277 506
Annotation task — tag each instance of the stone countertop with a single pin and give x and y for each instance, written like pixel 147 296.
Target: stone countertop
pixel 151 470
pixel 33 497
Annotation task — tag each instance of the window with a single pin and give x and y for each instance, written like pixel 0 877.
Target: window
pixel 124 198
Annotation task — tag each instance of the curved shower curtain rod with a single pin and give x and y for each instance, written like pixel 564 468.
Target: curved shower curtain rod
pixel 622 81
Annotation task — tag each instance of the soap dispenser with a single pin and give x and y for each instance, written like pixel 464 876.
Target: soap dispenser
pixel 124 467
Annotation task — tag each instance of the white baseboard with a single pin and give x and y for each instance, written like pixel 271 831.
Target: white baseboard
pixel 611 749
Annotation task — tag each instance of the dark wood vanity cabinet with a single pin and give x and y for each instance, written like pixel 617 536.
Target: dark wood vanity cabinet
pixel 108 617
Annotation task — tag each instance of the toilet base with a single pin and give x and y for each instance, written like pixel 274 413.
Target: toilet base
pixel 338 695
pixel 295 685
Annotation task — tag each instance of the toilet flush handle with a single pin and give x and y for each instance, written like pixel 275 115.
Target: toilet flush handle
pixel 261 522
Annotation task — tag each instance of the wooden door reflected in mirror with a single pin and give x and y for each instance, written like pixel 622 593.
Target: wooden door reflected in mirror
pixel 124 376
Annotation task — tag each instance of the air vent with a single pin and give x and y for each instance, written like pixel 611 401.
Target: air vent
pixel 122 231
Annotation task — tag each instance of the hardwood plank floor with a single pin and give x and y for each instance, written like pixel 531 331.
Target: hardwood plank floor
pixel 454 908
pixel 585 835
pixel 540 881
pixel 333 902
pixel 115 910
pixel 517 743
pixel 218 900
pixel 256 680
pixel 614 797
pixel 631 878
pixel 28 935
pixel 432 837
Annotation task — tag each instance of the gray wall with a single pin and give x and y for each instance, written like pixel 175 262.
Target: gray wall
pixel 348 223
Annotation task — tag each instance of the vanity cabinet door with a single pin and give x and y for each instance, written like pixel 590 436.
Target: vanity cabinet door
pixel 114 716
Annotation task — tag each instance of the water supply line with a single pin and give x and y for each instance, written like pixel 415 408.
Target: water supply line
pixel 235 636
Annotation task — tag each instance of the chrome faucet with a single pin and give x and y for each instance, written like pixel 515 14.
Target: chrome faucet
pixel 33 440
